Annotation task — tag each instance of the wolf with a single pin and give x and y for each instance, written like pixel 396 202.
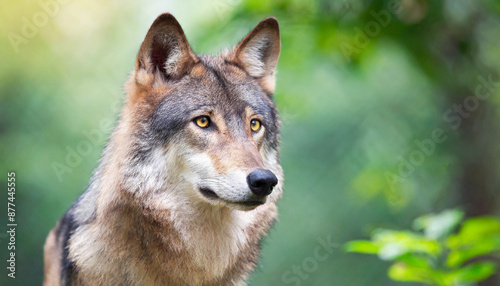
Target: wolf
pixel 188 182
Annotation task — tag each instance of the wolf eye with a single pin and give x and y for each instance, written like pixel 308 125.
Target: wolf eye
pixel 255 125
pixel 202 121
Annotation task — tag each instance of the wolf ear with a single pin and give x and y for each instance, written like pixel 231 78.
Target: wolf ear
pixel 165 49
pixel 259 51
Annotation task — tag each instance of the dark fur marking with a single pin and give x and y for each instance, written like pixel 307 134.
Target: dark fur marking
pixel 220 79
pixel 235 64
pixel 159 57
pixel 167 120
pixel 64 233
pixel 272 136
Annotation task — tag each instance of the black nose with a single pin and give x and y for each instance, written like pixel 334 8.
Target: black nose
pixel 261 182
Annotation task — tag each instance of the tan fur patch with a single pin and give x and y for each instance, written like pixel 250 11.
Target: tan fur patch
pixel 235 74
pixel 198 71
pixel 268 83
pixel 52 260
pixel 243 152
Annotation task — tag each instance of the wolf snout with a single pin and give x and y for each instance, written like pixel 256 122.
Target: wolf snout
pixel 261 182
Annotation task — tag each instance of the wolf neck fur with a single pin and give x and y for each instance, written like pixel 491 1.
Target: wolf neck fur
pixel 211 237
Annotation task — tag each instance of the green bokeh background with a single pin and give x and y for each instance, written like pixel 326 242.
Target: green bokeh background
pixel 360 87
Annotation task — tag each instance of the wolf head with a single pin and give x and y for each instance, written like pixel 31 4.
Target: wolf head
pixel 203 128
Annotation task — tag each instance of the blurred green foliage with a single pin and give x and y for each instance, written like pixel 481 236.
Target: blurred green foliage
pixel 437 256
pixel 363 92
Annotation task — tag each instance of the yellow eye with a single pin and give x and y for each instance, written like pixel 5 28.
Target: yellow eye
pixel 255 125
pixel 202 121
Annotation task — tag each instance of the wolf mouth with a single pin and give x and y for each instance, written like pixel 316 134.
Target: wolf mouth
pixel 207 192
pixel 250 203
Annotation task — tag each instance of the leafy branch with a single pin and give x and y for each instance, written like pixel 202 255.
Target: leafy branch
pixel 434 253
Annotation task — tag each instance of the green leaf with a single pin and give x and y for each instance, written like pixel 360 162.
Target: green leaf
pixel 475 229
pixel 477 236
pixel 361 246
pixel 479 247
pixel 416 260
pixel 390 251
pixel 480 226
pixel 474 272
pixel 395 243
pixel 436 226
pixel 402 272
